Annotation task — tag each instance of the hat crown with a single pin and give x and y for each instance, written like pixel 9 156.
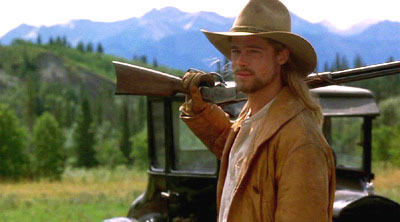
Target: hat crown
pixel 263 16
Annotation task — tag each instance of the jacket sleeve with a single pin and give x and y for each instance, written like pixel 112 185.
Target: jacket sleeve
pixel 303 186
pixel 211 126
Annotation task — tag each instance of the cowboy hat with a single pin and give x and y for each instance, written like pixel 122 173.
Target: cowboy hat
pixel 268 19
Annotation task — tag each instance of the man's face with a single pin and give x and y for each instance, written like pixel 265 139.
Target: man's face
pixel 255 63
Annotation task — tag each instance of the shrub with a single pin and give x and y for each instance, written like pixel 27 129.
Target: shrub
pixel 390 111
pixel 381 143
pixel 107 148
pixel 108 153
pixel 139 150
pixel 49 152
pixel 13 158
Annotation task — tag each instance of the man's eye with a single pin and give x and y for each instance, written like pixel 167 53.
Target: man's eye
pixel 254 51
pixel 235 51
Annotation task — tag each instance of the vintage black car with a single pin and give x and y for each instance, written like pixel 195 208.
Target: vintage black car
pixel 182 174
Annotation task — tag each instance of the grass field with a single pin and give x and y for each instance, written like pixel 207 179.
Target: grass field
pixel 82 195
pixel 387 180
pixel 97 194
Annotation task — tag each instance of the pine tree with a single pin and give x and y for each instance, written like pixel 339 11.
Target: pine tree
pixel 337 64
pixel 29 73
pixel 143 59
pixel 70 107
pixel 31 89
pixel 390 59
pixel 125 144
pixel 51 41
pixel 326 67
pixel 80 47
pixel 155 63
pixel 344 63
pixel 64 41
pixel 99 113
pixel 39 109
pixel 100 48
pixel 142 112
pixel 39 40
pixel 139 121
pixel 89 47
pixel 358 62
pixel 49 150
pixel 84 137
pixel 58 41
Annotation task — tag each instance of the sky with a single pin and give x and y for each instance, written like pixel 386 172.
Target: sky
pixel 340 13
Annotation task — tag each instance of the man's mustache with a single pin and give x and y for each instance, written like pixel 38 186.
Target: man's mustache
pixel 240 69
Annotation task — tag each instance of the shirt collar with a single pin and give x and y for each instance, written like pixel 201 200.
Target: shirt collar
pixel 262 112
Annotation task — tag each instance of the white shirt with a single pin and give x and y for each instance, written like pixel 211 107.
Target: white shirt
pixel 238 157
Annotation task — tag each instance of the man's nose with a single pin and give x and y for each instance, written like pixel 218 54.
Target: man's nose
pixel 243 60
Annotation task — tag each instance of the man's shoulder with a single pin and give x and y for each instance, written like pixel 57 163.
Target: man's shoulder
pixel 302 130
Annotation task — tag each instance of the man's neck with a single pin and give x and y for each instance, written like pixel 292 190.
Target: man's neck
pixel 259 99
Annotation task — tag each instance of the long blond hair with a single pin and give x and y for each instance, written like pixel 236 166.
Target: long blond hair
pixel 292 78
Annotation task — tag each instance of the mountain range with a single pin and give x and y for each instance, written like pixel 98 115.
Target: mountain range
pixel 174 38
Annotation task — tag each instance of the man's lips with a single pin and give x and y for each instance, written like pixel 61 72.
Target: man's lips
pixel 243 75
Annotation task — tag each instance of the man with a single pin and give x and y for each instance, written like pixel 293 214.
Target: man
pixel 275 163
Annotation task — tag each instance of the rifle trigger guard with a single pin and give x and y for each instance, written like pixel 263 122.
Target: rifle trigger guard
pixel 220 77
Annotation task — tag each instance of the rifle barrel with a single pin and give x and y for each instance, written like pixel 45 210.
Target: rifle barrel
pixel 136 80
pixel 316 80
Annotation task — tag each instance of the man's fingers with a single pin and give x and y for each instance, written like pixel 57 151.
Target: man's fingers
pixel 209 79
pixel 187 79
pixel 196 94
pixel 196 78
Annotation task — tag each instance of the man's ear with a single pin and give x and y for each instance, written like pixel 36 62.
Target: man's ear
pixel 283 56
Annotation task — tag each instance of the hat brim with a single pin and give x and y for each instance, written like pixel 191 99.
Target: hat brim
pixel 301 51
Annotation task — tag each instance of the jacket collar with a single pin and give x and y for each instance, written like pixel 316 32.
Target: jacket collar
pixel 285 107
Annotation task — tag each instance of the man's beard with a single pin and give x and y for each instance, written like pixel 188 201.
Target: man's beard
pixel 254 85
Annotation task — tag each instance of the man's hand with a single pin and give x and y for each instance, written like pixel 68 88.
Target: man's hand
pixel 194 103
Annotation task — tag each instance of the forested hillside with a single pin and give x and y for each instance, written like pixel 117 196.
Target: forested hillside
pixel 58 102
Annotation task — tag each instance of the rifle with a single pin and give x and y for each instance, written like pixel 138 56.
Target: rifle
pixel 136 80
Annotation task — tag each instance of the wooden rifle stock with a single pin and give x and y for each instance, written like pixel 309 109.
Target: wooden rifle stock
pixel 136 80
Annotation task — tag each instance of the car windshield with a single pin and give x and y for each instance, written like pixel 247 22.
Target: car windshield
pixel 190 153
pixel 158 117
pixel 345 135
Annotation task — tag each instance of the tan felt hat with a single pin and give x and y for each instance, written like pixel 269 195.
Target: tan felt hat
pixel 269 19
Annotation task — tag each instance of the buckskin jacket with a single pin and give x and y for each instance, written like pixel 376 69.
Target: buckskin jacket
pixel 290 175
